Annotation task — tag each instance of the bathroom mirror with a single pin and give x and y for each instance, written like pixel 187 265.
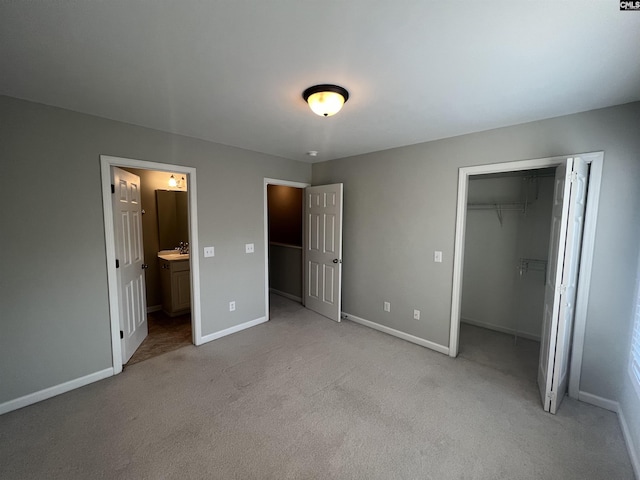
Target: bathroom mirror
pixel 173 218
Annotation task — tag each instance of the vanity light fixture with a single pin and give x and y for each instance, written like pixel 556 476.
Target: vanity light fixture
pixel 172 181
pixel 325 100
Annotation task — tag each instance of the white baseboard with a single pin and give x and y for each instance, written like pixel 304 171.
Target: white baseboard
pixel 498 328
pixel 615 407
pixel 633 453
pixel 397 333
pixel 55 390
pixel 230 330
pixel 154 308
pixel 286 295
pixel 599 401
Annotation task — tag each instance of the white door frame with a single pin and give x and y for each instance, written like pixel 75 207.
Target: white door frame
pixel 285 183
pixel 596 160
pixel 106 162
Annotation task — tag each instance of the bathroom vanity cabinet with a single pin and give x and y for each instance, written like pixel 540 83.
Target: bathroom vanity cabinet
pixel 175 278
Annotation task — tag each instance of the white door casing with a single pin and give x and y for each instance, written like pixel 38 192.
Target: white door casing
pixel 323 250
pixel 127 221
pixel 562 280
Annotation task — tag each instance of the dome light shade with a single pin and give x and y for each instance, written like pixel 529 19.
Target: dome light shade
pixel 325 100
pixel 172 181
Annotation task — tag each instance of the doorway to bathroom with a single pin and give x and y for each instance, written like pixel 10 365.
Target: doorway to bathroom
pixel 176 320
pixel 167 278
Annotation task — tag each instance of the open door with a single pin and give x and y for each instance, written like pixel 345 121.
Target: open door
pixel 127 222
pixel 323 250
pixel 562 280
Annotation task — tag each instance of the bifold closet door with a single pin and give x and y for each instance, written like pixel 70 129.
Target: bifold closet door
pixel 567 223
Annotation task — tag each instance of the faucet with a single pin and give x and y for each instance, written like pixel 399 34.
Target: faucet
pixel 183 247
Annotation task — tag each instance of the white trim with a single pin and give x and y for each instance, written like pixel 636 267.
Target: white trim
pixel 498 328
pixel 234 329
pixel 597 401
pixel 154 308
pixel 41 395
pixel 397 333
pixel 286 183
pixel 106 162
pixel 588 240
pixel 286 295
pixel 631 448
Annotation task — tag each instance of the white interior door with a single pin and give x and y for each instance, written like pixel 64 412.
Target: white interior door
pixel 323 250
pixel 127 222
pixel 562 280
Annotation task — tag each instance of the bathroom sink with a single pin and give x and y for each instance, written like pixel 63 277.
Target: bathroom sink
pixel 173 256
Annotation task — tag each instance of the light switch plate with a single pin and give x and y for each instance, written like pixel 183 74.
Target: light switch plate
pixel 209 252
pixel 416 314
pixel 437 256
pixel 387 307
pixel 232 306
pixel 249 248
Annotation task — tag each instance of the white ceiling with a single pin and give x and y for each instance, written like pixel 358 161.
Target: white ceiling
pixel 233 71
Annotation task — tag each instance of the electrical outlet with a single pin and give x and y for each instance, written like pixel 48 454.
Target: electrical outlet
pixel 387 307
pixel 249 248
pixel 437 256
pixel 416 314
pixel 209 252
pixel 232 306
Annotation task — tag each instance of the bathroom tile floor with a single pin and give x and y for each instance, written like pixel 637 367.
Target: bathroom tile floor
pixel 165 334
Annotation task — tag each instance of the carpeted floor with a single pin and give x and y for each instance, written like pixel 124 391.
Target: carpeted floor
pixel 165 335
pixel 302 397
pixel 500 352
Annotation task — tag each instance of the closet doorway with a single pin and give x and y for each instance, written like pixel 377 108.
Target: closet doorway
pixel 508 223
pixel 571 244
pixel 283 239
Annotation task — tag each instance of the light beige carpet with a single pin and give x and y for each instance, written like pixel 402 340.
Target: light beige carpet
pixel 302 397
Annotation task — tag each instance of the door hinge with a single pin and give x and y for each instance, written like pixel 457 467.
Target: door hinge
pixel 121 334
pixel 562 289
pixel 113 188
pixel 117 263
pixel 574 177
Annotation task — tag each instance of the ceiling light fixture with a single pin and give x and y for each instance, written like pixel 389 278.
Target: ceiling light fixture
pixel 325 100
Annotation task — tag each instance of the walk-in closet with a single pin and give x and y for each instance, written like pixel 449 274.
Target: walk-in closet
pixel 505 261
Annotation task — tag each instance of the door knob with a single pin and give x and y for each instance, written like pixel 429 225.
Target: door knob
pixel 335 260
pixel 144 266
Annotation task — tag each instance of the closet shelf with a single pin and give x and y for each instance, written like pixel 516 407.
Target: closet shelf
pixel 532 265
pixel 520 207
pixel 286 245
pixel 493 206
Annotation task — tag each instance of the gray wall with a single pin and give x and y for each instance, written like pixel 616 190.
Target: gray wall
pixel 53 291
pixel 399 207
pixel 285 270
pixel 494 293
